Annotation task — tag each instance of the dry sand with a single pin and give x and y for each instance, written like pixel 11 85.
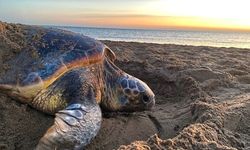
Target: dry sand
pixel 202 100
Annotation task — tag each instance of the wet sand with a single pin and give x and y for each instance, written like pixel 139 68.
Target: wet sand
pixel 202 101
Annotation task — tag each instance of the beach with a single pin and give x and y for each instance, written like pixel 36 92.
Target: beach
pixel 202 101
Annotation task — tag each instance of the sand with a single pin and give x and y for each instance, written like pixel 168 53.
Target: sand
pixel 202 100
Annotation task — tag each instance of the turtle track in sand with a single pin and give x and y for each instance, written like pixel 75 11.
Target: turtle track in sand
pixel 202 101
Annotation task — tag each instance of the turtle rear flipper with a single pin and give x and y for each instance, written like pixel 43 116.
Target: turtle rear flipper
pixel 74 127
pixel 23 94
pixel 14 92
pixel 6 87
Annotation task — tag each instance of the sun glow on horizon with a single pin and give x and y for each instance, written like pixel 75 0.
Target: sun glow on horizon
pixel 212 14
pixel 164 14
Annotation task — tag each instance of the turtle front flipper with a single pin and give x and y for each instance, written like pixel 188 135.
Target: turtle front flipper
pixel 74 127
pixel 72 99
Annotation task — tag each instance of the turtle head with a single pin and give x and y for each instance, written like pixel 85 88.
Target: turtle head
pixel 123 91
pixel 134 94
pixel 131 94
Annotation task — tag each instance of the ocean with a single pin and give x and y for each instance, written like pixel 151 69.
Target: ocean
pixel 198 38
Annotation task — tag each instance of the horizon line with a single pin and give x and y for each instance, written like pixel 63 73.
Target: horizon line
pixel 182 28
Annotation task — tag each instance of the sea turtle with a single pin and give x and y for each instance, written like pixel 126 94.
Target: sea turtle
pixel 70 76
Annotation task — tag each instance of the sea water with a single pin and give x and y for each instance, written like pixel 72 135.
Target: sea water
pixel 198 38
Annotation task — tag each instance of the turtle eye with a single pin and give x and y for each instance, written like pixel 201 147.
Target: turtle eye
pixel 145 98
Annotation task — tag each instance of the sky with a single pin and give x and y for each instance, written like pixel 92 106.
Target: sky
pixel 153 14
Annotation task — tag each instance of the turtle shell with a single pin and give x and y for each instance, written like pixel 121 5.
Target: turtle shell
pixel 45 54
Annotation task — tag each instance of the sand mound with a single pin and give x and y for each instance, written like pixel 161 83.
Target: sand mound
pixel 202 100
pixel 223 126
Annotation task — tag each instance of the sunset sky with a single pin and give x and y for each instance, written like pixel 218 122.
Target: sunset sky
pixel 156 14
